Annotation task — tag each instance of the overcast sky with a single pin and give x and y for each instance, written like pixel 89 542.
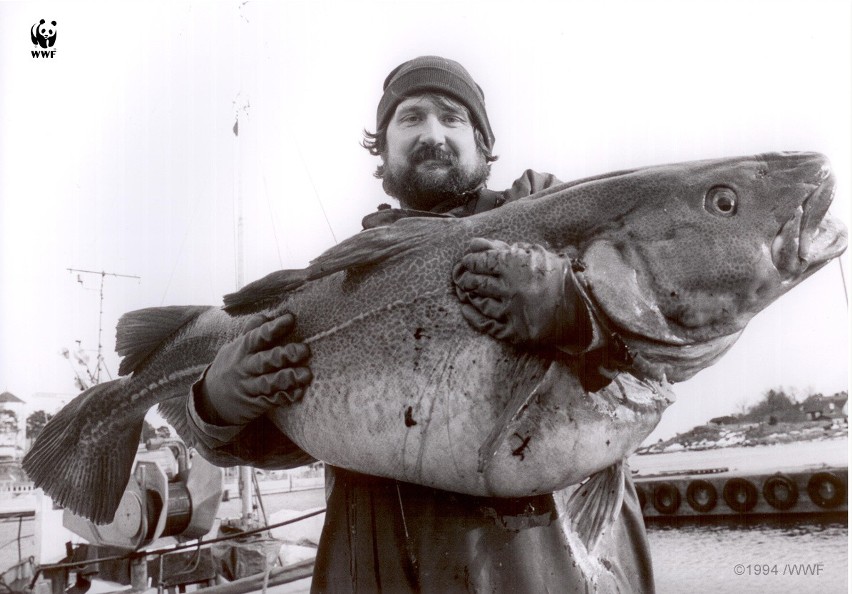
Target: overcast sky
pixel 118 154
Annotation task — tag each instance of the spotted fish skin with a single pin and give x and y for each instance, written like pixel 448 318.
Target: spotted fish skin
pixel 673 261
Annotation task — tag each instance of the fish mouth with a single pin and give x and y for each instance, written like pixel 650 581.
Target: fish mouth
pixel 812 236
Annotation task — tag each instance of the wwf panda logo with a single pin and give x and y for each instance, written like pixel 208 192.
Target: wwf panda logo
pixel 44 34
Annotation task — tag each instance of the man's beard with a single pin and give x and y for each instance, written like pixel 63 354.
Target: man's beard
pixel 425 189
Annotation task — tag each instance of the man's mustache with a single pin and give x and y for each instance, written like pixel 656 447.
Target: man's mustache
pixel 432 153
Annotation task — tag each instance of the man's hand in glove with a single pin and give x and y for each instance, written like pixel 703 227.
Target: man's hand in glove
pixel 254 373
pixel 522 293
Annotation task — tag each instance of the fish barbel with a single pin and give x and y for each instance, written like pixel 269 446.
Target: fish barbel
pixel 672 260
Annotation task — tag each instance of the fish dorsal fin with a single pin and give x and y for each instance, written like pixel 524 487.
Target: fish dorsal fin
pixel 388 216
pixel 140 332
pixel 258 294
pixel 593 507
pixel 367 248
pixel 372 246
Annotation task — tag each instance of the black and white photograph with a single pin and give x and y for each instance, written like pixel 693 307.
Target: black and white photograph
pixel 424 296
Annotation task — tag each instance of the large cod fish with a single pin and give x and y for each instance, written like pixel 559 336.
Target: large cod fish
pixel 673 261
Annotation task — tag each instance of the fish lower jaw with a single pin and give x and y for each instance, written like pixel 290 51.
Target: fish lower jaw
pixel 827 242
pixel 796 255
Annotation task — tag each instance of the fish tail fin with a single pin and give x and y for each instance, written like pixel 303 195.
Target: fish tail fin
pixel 72 464
pixel 593 507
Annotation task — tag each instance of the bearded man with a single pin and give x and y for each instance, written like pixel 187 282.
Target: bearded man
pixel 435 143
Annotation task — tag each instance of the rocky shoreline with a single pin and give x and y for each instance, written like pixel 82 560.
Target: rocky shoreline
pixel 713 436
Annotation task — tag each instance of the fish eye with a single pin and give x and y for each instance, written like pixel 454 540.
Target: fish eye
pixel 721 201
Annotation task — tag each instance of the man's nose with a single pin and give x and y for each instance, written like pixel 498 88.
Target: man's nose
pixel 432 132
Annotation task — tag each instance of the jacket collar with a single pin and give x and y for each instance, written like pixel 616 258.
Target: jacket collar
pixel 478 201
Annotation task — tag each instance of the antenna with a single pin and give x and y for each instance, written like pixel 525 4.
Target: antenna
pixel 103 276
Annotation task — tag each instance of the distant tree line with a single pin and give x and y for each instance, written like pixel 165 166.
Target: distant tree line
pixel 36 422
pixel 779 406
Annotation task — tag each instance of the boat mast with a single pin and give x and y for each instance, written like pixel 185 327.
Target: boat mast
pixel 241 105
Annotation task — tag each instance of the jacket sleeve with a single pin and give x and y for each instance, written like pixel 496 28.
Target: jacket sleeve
pixel 530 182
pixel 260 443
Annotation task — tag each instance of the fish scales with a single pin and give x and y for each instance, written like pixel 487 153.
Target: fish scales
pixel 672 261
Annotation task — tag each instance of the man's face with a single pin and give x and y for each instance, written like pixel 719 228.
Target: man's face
pixel 431 154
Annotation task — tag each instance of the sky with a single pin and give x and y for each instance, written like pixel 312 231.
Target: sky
pixel 118 154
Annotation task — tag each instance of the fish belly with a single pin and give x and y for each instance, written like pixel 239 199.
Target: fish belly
pixel 405 389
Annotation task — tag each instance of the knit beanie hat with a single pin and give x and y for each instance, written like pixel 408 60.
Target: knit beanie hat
pixel 439 75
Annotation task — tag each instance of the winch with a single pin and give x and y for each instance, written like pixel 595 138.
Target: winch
pixel 159 500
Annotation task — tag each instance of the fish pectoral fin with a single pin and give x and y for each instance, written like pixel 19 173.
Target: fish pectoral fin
pixel 139 333
pixel 77 464
pixel 514 408
pixel 592 509
pixel 617 293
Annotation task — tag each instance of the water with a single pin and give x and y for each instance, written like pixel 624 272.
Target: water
pixel 832 452
pixel 704 557
pixel 707 557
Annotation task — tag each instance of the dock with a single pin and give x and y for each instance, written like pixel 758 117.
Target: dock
pixel 768 481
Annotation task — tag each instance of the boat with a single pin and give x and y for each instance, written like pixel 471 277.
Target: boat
pixel 168 533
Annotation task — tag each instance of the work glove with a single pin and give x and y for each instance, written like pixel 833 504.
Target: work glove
pixel 523 294
pixel 254 373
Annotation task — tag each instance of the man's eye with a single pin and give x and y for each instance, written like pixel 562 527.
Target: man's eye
pixel 409 119
pixel 454 119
